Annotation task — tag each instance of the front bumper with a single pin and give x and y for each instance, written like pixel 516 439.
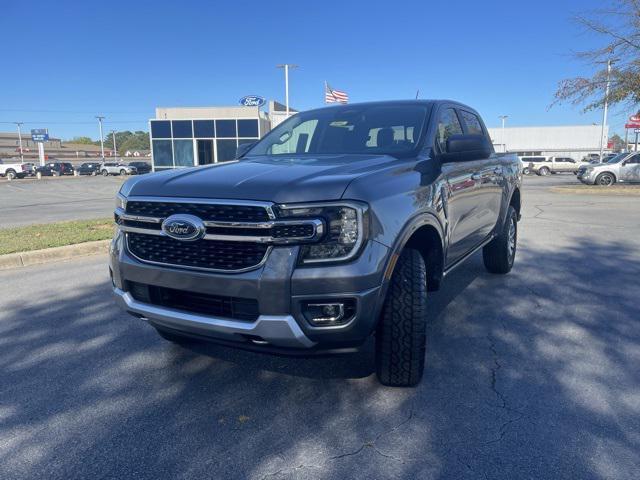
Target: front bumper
pixel 587 178
pixel 280 289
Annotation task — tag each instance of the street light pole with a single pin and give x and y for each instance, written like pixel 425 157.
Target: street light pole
pixel 606 105
pixel 504 143
pixel 286 67
pixel 115 148
pixel 101 137
pixel 19 124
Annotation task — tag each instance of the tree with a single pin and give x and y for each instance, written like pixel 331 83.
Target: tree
pixel 82 141
pixel 618 142
pixel 619 28
pixel 127 140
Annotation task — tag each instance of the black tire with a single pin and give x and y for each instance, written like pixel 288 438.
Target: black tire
pixel 526 171
pixel 105 173
pixel 11 174
pixel 544 171
pixel 401 333
pixel 123 172
pixel 54 173
pixel 605 179
pixel 499 254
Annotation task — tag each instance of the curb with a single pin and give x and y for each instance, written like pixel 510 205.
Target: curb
pixel 55 254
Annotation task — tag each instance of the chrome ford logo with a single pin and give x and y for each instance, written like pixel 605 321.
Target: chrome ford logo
pixel 184 227
pixel 252 101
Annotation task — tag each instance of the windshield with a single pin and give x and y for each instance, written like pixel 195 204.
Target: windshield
pixel 377 129
pixel 617 158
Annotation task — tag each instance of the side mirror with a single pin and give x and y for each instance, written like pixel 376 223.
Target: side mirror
pixel 463 148
pixel 244 148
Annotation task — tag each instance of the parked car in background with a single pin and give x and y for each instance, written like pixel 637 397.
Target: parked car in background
pixel 13 169
pixel 30 168
pixel 89 168
pixel 623 168
pixel 528 163
pixel 555 165
pixel 141 167
pixel 117 168
pixel 56 169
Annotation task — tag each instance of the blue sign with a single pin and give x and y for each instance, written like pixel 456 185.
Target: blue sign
pixel 252 101
pixel 39 134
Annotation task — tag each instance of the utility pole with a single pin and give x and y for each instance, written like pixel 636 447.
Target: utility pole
pixel 100 118
pixel 19 124
pixel 606 104
pixel 504 143
pixel 115 148
pixel 286 67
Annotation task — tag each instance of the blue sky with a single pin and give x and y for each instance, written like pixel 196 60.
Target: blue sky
pixel 65 62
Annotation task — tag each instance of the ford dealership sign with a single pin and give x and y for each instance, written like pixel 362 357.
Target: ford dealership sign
pixel 252 101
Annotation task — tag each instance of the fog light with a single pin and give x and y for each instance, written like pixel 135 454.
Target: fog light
pixel 325 313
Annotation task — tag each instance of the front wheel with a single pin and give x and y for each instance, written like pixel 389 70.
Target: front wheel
pixel 123 172
pixel 605 179
pixel 526 171
pixel 499 254
pixel 105 173
pixel 544 171
pixel 11 175
pixel 401 333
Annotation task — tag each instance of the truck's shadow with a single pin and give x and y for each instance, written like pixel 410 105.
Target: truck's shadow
pixel 528 375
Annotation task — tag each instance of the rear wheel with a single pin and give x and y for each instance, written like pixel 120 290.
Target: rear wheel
pixel 11 174
pixel 123 172
pixel 544 171
pixel 401 333
pixel 605 179
pixel 526 171
pixel 105 173
pixel 499 254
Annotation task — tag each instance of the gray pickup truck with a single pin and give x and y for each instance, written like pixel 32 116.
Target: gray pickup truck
pixel 330 229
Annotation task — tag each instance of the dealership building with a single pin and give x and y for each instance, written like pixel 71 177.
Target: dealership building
pixel 575 141
pixel 190 136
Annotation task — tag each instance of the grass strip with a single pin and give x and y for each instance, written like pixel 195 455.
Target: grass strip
pixel 37 237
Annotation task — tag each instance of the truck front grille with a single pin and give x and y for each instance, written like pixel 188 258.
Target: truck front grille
pixel 236 308
pixel 205 211
pixel 202 254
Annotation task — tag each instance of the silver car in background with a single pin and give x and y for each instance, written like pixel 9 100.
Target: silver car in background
pixel 117 168
pixel 623 168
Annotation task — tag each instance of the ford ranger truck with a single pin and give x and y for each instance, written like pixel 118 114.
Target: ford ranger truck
pixel 331 229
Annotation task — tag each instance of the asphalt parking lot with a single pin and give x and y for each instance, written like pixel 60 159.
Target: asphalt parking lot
pixel 531 375
pixel 54 199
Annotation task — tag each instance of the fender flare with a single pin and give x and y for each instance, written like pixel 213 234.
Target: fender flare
pixel 411 226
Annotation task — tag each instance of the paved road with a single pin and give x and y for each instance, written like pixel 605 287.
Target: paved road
pixel 29 201
pixel 531 375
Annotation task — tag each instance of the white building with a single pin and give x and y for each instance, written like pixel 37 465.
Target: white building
pixel 575 141
pixel 189 136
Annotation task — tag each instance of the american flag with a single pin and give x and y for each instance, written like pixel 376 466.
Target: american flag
pixel 332 96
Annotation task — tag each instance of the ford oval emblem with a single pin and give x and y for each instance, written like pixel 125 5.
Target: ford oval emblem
pixel 184 227
pixel 252 101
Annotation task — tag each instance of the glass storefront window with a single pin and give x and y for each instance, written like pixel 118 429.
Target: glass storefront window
pixel 161 129
pixel 226 150
pixel 226 128
pixel 248 128
pixel 183 152
pixel 204 128
pixel 162 154
pixel 182 129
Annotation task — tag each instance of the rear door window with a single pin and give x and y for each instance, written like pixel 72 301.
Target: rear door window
pixel 472 123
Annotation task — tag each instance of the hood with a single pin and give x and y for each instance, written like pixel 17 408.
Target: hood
pixel 277 179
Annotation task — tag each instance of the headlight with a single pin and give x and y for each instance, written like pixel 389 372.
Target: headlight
pixel 346 226
pixel 121 201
